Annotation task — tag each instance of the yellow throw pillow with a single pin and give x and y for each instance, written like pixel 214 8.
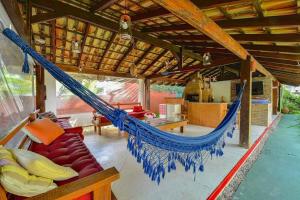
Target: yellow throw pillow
pixel 41 166
pixel 16 180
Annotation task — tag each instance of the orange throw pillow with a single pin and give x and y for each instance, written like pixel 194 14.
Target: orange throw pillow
pixel 45 130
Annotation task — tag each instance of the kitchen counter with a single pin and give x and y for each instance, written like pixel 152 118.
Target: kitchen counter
pixel 206 114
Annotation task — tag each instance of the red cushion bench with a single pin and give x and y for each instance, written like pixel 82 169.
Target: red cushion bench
pixel 69 150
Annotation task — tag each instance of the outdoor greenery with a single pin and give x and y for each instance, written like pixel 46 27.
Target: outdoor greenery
pixel 291 101
pixel 19 85
pixel 168 88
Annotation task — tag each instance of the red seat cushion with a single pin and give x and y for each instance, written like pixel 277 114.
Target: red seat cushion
pixel 137 108
pixel 70 151
pixel 138 115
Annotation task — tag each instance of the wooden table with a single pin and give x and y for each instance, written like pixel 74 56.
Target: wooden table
pixel 168 124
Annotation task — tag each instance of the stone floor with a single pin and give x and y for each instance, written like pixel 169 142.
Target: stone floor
pixel 110 150
pixel 275 174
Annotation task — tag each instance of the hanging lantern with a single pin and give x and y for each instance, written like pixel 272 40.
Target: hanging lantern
pixel 125 27
pixel 206 58
pixel 76 47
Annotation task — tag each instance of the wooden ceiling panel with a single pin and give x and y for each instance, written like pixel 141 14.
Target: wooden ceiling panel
pixel 120 55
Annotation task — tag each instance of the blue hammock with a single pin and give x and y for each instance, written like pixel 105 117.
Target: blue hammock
pixel 156 150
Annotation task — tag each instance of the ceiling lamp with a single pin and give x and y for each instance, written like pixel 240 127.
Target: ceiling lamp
pixel 125 27
pixel 76 47
pixel 206 58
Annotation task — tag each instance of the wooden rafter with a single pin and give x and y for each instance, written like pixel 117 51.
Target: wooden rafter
pixel 103 4
pixel 124 56
pixel 45 17
pixel 111 41
pixel 85 35
pixel 140 59
pixel 73 68
pixel 197 67
pixel 289 20
pixel 164 79
pixel 158 69
pixel 104 23
pixel 286 49
pixel 195 17
pixel 278 61
pixel 241 37
pixel 282 68
pixel 203 4
pixel 53 39
pixel 225 52
pixel 154 61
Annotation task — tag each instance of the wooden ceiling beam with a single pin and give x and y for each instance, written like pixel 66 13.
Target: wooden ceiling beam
pixel 192 15
pixel 12 9
pixel 164 79
pixel 295 70
pixel 106 24
pixel 202 4
pixel 53 40
pixel 103 4
pixel 124 56
pixel 277 61
pixel 140 59
pixel 45 17
pixel 283 56
pixel 85 70
pixel 86 33
pixel 205 45
pixel 288 20
pixel 240 37
pixel 111 41
pixel 198 67
pixel 162 66
pixel 255 53
pixel 154 61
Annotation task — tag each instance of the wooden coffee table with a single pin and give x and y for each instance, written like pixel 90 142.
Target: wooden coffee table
pixel 168 123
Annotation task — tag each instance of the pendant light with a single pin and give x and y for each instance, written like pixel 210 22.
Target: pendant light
pixel 125 26
pixel 76 46
pixel 206 58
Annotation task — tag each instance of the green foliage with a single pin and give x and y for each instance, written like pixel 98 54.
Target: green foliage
pixel 291 101
pixel 19 85
pixel 168 88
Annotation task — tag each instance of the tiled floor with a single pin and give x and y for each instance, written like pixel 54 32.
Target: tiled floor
pixel 110 150
pixel 275 175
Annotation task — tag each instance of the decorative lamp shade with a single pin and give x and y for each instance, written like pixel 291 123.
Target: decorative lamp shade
pixel 125 27
pixel 76 47
pixel 206 58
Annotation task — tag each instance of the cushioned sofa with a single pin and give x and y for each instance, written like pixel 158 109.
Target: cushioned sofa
pixel 69 150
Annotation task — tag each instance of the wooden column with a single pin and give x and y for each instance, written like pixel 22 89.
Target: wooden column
pixel 40 88
pixel 147 94
pixel 245 116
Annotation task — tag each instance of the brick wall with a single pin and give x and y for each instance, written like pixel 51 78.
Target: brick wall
pixel 261 114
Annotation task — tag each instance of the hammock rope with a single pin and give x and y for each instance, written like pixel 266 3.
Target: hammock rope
pixel 156 150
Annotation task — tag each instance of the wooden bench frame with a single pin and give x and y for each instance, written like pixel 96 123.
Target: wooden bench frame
pixel 99 183
pixel 97 119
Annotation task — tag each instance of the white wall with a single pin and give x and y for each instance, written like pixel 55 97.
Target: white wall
pixel 221 88
pixel 50 83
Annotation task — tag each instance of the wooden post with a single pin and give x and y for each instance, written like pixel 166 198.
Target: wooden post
pixel 40 88
pixel 147 94
pixel 245 117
